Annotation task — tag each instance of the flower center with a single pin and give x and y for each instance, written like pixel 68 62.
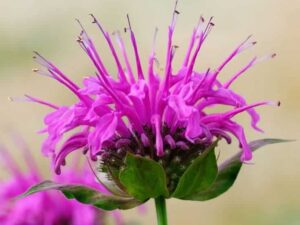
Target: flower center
pixel 178 153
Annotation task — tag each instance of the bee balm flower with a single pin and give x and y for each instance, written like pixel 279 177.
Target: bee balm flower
pixel 47 208
pixel 150 132
pixel 163 117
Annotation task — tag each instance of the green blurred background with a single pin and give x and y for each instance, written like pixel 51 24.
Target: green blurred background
pixel 266 193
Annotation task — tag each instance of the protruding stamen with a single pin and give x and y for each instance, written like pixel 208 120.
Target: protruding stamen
pixel 265 58
pixel 122 76
pixel 193 60
pixel 243 46
pixel 173 51
pixel 98 24
pixel 28 98
pixel 154 41
pixel 192 41
pixel 246 44
pixel 234 77
pixel 232 113
pixel 56 73
pixel 208 28
pixel 128 20
pixel 33 99
pixel 136 53
pixel 123 50
pixel 175 14
pixel 43 73
pixel 152 58
pixel 253 62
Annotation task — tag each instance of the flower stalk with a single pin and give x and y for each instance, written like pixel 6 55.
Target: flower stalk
pixel 161 210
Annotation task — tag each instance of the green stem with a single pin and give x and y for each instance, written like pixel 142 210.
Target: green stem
pixel 161 211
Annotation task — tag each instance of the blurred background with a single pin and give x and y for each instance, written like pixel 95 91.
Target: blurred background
pixel 266 193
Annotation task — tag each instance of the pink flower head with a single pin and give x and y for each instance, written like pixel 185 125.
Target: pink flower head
pixel 45 208
pixel 143 111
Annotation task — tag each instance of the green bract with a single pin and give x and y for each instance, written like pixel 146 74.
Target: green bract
pixel 142 178
pixel 199 176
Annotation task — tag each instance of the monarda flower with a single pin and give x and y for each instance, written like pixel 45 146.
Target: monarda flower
pixel 50 208
pixel 150 132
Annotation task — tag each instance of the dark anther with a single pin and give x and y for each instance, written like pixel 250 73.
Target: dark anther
pixel 85 150
pixel 278 103
pixel 94 18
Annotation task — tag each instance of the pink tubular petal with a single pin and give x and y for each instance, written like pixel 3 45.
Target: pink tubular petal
pixel 244 108
pixel 75 142
pixel 104 130
pixel 170 141
pixel 182 145
pixel 145 140
pixel 193 128
pixel 238 132
pixel 156 120
pixel 230 114
pixel 139 97
pixel 179 106
pixel 221 133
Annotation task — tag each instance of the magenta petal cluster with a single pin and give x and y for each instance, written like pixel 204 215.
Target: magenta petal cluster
pixel 156 110
pixel 46 208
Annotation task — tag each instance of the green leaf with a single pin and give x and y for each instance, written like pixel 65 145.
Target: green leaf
pixel 143 178
pixel 228 172
pixel 86 195
pixel 199 175
pixel 254 145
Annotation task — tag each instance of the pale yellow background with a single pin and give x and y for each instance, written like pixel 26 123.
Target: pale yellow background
pixel 266 193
